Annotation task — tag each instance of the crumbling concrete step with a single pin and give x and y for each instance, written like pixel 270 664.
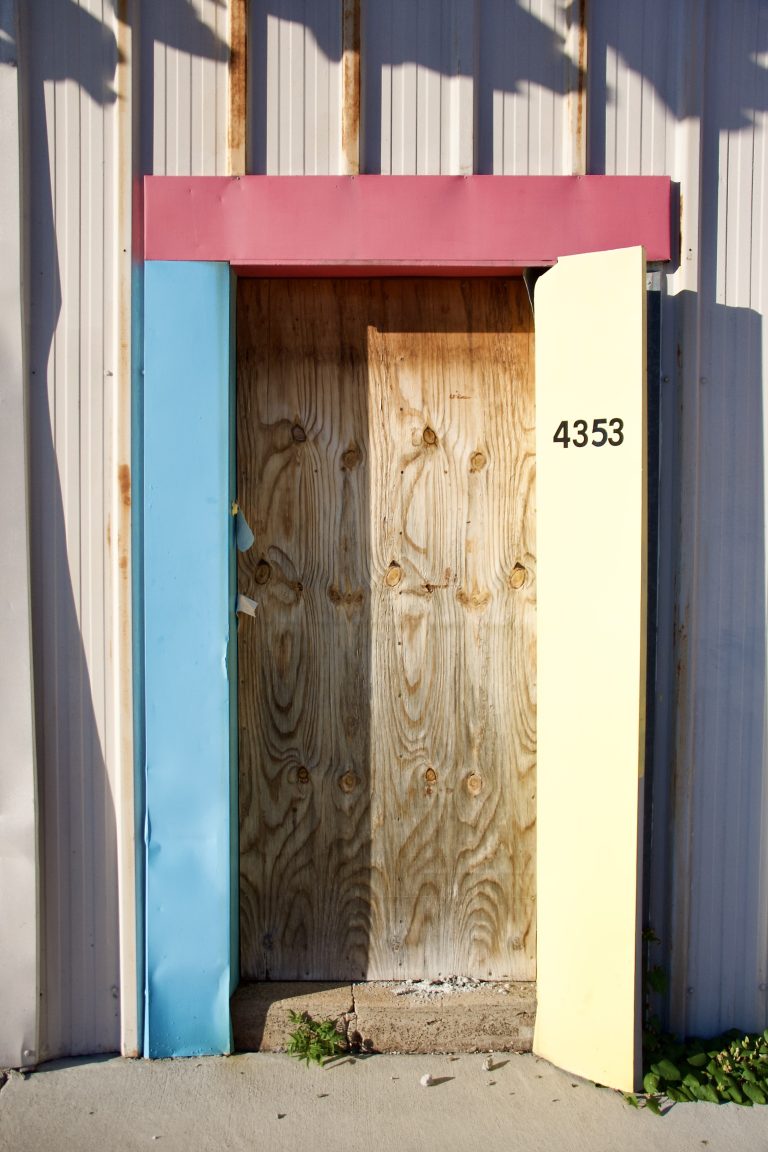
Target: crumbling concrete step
pixel 411 1017
pixel 425 1018
pixel 261 1012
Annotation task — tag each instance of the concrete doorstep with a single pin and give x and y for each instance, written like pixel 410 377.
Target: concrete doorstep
pixel 452 1015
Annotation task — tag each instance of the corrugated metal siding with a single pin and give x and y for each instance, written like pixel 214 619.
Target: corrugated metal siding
pixel 693 102
pixel 19 994
pixel 522 85
pixel 447 87
pixel 183 96
pixel 728 948
pixel 419 64
pixel 295 87
pixel 77 349
pixel 453 87
pixel 70 54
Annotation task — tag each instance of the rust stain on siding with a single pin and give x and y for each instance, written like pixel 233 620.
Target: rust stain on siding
pixel 350 108
pixel 576 52
pixel 124 481
pixel 238 85
pixel 581 88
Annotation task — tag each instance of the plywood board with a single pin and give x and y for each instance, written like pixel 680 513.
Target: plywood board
pixel 387 683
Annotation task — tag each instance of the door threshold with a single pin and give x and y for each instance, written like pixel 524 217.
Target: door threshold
pixel 415 1016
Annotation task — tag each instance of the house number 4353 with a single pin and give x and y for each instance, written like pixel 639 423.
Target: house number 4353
pixel 578 433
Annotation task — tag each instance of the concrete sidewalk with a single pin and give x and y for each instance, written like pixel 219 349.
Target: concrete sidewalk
pixel 264 1101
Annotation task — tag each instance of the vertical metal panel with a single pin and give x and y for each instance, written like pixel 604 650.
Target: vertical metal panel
pixel 189 634
pixel 295 87
pixel 454 87
pixel 69 64
pixel 18 823
pixel 184 98
pixel 120 558
pixel 79 146
pixel 590 355
pixel 419 63
pixel 448 87
pixel 521 88
pixel 728 948
pixel 694 103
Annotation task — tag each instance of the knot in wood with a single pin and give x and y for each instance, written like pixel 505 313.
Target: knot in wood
pixel 394 575
pixel 429 436
pixel 517 576
pixel 351 458
pixel 430 776
pixel 303 775
pixel 298 434
pixel 476 461
pixel 263 572
pixel 474 784
pixel 348 782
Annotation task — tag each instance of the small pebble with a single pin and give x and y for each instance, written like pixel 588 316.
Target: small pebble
pixel 426 1080
pixel 488 1064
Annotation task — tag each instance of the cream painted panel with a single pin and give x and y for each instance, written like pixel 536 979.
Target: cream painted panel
pixel 590 365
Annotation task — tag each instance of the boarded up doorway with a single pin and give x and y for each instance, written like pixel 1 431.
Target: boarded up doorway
pixel 385 463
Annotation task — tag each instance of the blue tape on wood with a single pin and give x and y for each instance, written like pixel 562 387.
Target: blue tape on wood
pixel 188 680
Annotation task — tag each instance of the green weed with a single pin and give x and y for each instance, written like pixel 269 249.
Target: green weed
pixel 314 1041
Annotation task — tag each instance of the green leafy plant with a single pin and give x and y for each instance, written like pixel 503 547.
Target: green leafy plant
pixel 314 1041
pixel 731 1068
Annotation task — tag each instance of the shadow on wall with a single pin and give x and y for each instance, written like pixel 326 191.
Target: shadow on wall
pixel 632 33
pixel 708 878
pixel 507 49
pixel 708 873
pixel 70 377
pixel 723 638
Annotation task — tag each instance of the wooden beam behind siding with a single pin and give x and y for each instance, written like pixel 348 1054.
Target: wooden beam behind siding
pixel 350 100
pixel 238 87
pixel 576 45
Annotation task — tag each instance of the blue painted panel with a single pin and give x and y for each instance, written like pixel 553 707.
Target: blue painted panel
pixel 137 570
pixel 234 808
pixel 188 605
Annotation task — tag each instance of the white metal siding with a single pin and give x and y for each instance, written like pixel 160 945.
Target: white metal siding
pixel 78 233
pixel 70 53
pixel 18 820
pixel 453 87
pixel 448 87
pixel 295 87
pixel 726 759
pixel 692 102
pixel 183 96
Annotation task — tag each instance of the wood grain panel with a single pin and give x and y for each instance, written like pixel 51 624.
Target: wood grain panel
pixel 387 711
pixel 304 660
